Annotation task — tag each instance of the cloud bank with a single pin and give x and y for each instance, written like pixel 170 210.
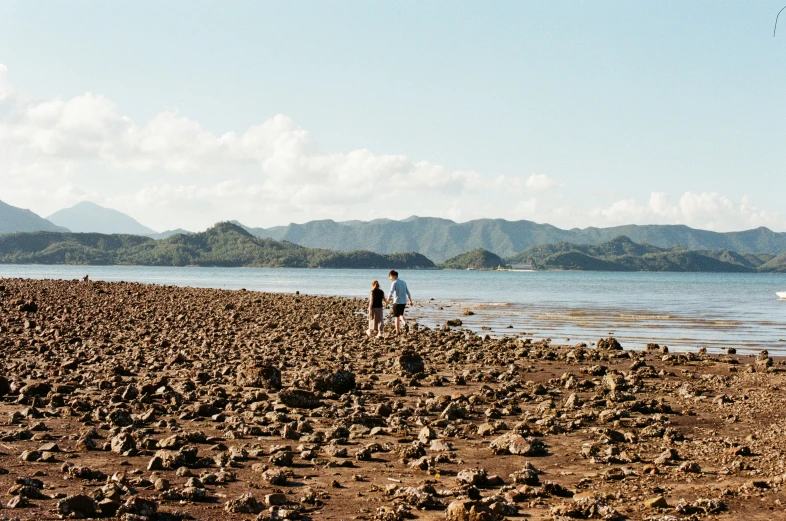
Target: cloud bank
pixel 172 172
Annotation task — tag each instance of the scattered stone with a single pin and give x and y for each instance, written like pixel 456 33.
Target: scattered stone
pixel 245 504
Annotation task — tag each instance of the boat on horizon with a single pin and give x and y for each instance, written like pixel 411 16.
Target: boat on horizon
pixel 518 267
pixel 781 294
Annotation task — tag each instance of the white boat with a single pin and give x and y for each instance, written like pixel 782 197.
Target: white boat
pixel 781 294
pixel 519 267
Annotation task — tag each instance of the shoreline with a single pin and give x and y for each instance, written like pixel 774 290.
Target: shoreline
pixel 682 325
pixel 192 398
pixel 415 268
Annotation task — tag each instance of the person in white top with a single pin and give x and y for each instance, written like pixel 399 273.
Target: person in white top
pixel 399 295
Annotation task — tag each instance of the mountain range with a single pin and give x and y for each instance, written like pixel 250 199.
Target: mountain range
pixel 224 244
pixel 438 239
pixel 229 245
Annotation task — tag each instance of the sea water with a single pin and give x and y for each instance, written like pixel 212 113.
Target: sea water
pixel 681 310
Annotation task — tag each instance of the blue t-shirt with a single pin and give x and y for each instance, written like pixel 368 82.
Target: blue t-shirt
pixel 399 292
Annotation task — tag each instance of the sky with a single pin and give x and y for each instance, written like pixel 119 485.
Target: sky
pixel 185 113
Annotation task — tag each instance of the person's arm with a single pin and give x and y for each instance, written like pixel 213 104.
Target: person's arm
pixel 409 297
pixel 370 302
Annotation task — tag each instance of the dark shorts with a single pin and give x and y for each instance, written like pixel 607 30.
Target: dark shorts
pixel 398 310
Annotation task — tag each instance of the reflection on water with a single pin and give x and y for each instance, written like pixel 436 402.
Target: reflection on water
pixel 681 310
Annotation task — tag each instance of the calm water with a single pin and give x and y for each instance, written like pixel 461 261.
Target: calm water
pixel 681 310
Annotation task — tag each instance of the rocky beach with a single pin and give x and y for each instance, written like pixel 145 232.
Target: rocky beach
pixel 145 402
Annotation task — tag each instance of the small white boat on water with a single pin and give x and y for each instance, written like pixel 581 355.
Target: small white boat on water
pixel 781 294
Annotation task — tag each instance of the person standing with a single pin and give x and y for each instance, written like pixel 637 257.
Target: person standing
pixel 399 295
pixel 375 300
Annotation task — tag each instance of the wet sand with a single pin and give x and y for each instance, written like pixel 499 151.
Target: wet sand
pixel 155 402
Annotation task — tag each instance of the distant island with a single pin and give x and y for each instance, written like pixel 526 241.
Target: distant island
pixel 622 254
pixel 478 259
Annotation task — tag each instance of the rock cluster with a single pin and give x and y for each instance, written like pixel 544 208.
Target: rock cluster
pixel 159 403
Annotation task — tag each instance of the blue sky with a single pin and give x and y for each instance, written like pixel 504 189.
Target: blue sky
pixel 573 113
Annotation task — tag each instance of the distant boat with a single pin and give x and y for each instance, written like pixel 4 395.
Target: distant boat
pixel 519 267
pixel 781 294
pixel 471 269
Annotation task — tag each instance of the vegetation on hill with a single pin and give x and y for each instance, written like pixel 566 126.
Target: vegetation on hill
pixel 479 259
pixel 229 245
pixel 622 254
pixel 775 264
pixel 440 239
pixel 225 244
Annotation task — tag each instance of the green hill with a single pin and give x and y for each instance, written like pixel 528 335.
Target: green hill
pixel 479 259
pixel 224 244
pixel 574 260
pixel 622 254
pixel 774 265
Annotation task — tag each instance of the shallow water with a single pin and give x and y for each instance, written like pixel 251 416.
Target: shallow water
pixel 681 310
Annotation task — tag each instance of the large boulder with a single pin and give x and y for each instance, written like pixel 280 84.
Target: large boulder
pixel 511 443
pixel 609 344
pixel 78 506
pixel 139 506
pixel 245 504
pixel 340 382
pixel 299 399
pixel 410 362
pixel 262 376
pixel 124 444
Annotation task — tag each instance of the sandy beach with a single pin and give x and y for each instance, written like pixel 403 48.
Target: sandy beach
pixel 154 402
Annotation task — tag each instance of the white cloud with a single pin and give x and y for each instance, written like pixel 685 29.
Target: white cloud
pixel 710 211
pixel 172 172
pixel 541 182
pixel 528 208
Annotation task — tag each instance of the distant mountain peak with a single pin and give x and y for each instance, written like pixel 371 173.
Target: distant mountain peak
pixel 13 219
pixel 88 204
pixel 228 227
pixel 87 217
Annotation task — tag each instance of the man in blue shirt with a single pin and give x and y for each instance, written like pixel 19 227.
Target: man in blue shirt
pixel 398 295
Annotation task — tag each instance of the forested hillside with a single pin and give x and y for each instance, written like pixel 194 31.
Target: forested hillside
pixel 441 239
pixel 225 244
pixel 622 254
